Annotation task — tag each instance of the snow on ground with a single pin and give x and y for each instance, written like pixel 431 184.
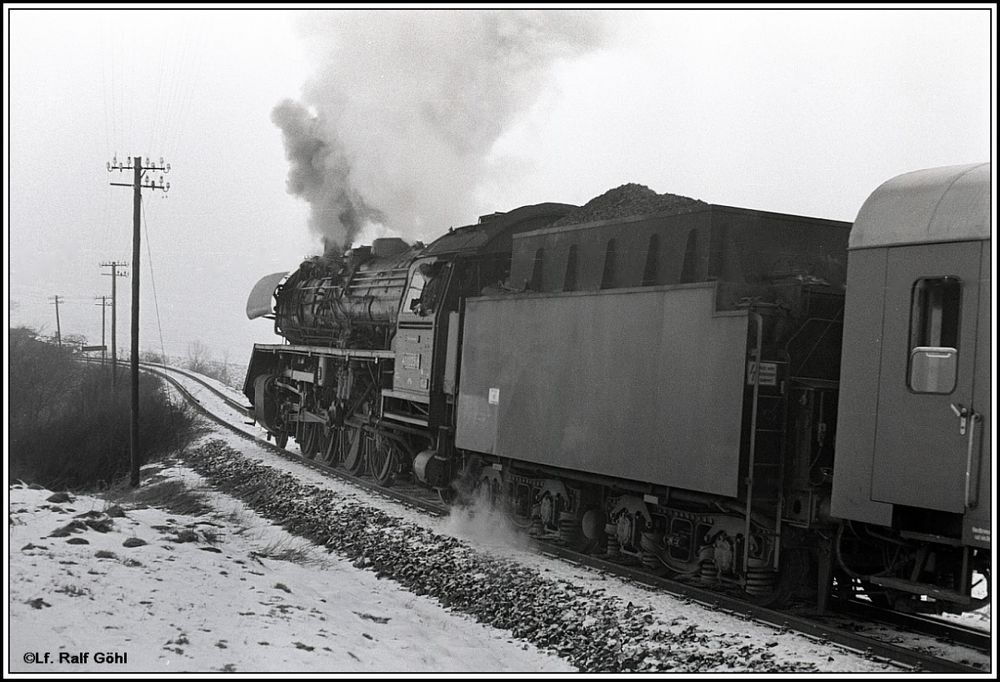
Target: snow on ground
pixel 215 404
pixel 219 591
pixel 231 392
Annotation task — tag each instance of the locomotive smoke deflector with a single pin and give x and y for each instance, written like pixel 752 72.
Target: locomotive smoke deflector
pixel 259 303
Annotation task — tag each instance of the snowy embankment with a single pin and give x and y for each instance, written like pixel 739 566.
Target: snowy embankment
pixel 221 589
pixel 101 588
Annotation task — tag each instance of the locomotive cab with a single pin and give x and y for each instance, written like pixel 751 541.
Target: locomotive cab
pixel 419 402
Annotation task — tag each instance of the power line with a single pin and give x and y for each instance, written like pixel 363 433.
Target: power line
pixel 152 279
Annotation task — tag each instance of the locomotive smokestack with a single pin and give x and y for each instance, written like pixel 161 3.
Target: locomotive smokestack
pixel 331 248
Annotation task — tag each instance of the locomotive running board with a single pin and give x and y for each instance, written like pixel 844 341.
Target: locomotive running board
pixel 394 416
pixel 322 350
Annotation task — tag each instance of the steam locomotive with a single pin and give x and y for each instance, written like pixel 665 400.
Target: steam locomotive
pixel 754 401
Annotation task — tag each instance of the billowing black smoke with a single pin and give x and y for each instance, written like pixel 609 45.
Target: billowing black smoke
pixel 318 173
pixel 408 105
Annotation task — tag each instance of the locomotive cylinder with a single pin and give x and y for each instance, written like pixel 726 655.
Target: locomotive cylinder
pixel 431 468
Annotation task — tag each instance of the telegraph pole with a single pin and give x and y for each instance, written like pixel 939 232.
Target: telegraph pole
pixel 137 184
pixel 104 345
pixel 58 330
pixel 114 265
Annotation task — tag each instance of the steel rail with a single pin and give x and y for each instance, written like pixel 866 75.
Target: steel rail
pixel 972 637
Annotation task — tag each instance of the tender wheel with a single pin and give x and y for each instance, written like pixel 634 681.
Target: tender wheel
pixel 281 439
pixel 488 494
pixel 384 456
pixel 775 589
pixel 592 525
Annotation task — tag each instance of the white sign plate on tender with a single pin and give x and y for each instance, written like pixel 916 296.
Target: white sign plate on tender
pixel 768 373
pixel 494 396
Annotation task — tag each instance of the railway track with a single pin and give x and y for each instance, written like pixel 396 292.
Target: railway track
pixel 948 632
pixel 913 657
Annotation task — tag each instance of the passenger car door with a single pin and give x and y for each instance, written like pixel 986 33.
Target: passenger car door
pixel 926 417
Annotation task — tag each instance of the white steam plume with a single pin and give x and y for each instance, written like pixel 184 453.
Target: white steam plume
pixel 408 105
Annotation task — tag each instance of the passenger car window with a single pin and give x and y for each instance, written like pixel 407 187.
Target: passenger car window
pixel 933 348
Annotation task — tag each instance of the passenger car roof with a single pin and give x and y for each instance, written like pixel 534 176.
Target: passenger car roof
pixel 945 204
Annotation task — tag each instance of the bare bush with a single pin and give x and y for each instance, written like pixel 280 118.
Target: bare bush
pixel 69 427
pixel 199 359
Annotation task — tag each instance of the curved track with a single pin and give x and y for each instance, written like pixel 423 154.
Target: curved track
pixel 411 496
pixel 823 629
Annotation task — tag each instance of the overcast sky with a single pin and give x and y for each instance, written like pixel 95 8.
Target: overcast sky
pixel 431 119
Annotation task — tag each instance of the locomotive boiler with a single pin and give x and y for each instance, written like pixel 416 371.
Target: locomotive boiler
pixel 720 394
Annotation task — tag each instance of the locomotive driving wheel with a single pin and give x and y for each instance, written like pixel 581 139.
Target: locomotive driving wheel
pixel 351 446
pixel 331 448
pixel 323 444
pixel 353 441
pixel 384 456
pixel 311 436
pixel 330 432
